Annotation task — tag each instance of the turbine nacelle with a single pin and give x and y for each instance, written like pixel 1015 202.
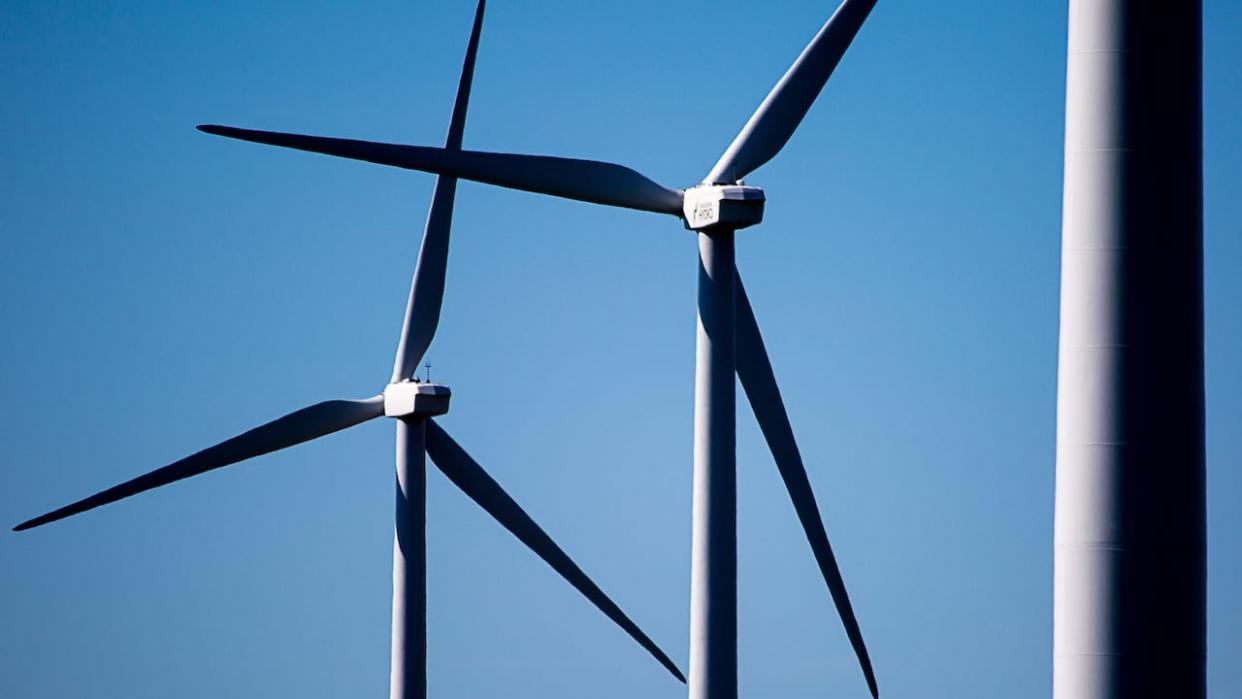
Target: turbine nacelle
pixel 722 206
pixel 414 399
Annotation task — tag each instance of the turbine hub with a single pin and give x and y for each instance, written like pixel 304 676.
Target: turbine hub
pixel 413 399
pixel 713 206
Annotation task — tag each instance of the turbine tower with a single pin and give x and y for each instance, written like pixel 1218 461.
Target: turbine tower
pixel 1130 582
pixel 412 404
pixel 728 338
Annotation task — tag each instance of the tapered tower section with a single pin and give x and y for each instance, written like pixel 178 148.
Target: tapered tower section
pixel 1130 582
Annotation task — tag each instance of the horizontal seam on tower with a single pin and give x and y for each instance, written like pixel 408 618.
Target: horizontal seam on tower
pixel 1091 547
pixel 1099 444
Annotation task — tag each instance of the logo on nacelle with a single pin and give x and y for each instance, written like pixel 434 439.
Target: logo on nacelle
pixel 705 212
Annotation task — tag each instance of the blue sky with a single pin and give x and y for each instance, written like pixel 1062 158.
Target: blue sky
pixel 164 289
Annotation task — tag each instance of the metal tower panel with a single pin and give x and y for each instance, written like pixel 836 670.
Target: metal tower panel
pixel 1130 580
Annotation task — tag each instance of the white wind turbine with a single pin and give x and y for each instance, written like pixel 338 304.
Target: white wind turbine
pixel 412 404
pixel 728 335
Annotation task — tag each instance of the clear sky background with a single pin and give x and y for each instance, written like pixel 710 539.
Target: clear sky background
pixel 163 289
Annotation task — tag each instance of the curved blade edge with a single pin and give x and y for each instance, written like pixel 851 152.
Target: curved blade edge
pixel 470 477
pixel 422 312
pixel 754 370
pixel 778 116
pixel 296 427
pixel 569 178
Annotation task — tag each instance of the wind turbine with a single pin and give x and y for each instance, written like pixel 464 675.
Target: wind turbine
pixel 412 404
pixel 728 334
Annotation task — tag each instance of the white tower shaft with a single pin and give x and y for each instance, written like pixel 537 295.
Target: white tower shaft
pixel 1129 589
pixel 713 570
pixel 409 563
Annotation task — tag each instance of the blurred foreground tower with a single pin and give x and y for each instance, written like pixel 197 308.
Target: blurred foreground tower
pixel 1130 579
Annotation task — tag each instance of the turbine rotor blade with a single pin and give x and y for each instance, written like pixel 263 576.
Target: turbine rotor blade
pixel 296 427
pixel 467 475
pixel 584 180
pixel 755 372
pixel 422 312
pixel 774 122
